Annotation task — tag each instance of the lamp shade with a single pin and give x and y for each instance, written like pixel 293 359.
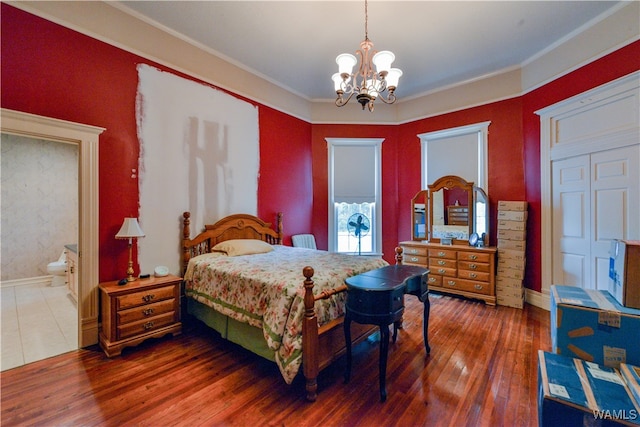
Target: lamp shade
pixel 382 60
pixel 394 77
pixel 345 62
pixel 130 228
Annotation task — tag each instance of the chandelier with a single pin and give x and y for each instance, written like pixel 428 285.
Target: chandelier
pixel 366 84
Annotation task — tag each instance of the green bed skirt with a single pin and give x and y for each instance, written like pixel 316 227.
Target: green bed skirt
pixel 230 329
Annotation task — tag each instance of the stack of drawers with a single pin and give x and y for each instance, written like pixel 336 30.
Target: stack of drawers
pixel 145 308
pixel 512 243
pixel 456 269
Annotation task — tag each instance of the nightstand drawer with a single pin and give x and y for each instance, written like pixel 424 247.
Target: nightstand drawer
pixel 146 325
pixel 144 297
pixel 145 311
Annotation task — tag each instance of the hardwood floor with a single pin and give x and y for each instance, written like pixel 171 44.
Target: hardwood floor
pixel 482 371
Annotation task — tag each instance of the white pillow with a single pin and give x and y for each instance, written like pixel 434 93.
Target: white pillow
pixel 237 247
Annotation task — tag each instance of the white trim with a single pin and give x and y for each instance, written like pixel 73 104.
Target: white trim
pixel 538 299
pixel 29 281
pixel 86 137
pixel 481 128
pixel 377 142
pixel 550 150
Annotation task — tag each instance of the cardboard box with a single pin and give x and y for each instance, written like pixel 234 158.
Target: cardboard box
pixel 593 326
pixel 511 263
pixel 510 301
pixel 511 254
pixel 512 215
pixel 512 206
pixel 573 392
pixel 631 375
pixel 507 282
pixel 504 224
pixel 518 245
pixel 512 234
pixel 510 273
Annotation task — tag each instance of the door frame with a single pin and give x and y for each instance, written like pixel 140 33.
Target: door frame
pixel 555 144
pixel 86 138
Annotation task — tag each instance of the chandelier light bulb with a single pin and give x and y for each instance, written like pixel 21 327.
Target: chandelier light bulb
pixel 393 77
pixel 382 60
pixel 346 62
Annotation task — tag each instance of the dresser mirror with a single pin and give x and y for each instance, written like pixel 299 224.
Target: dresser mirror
pixel 443 212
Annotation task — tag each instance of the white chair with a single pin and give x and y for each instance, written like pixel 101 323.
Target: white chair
pixel 304 241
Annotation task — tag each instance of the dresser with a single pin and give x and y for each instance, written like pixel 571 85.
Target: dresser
pixel 456 269
pixel 138 310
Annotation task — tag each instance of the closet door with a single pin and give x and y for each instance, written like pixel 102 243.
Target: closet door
pixel 596 199
pixel 571 221
pixel 615 193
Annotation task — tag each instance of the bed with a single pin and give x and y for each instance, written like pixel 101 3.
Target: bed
pixel 241 281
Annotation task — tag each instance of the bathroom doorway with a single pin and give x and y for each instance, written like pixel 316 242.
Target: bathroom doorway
pixel 85 138
pixel 39 243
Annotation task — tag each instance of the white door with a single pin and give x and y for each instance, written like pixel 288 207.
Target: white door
pixel 571 221
pixel 596 198
pixel 615 190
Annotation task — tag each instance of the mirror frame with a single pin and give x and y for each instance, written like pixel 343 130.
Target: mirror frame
pixel 480 195
pixel 421 198
pixel 446 182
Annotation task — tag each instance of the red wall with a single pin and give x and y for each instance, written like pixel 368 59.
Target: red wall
pixel 52 71
pixel 56 72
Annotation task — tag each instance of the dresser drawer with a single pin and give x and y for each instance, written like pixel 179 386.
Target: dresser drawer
pixel 145 311
pixel 466 285
pixel 473 275
pixel 442 271
pixel 415 259
pixel 440 263
pixel 414 250
pixel 144 297
pixel 434 280
pixel 473 266
pixel 442 253
pixel 474 256
pixel 146 325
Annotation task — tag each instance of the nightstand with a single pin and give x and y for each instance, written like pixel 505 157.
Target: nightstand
pixel 142 309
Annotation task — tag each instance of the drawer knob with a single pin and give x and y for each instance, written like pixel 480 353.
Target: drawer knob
pixel 148 297
pixel 452 282
pixel 440 253
pixel 413 251
pixel 473 257
pixel 440 262
pixel 473 275
pixel 441 270
pixel 432 279
pixel 473 266
pixel 478 287
pixel 147 311
pixel 148 326
pixel 414 259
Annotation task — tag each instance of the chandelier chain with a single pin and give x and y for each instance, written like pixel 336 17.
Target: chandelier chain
pixel 366 21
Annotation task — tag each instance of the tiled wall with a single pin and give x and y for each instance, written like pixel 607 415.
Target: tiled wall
pixel 39 204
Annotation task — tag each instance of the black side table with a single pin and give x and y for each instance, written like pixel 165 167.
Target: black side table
pixel 377 298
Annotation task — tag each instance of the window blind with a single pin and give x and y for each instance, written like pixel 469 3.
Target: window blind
pixel 354 174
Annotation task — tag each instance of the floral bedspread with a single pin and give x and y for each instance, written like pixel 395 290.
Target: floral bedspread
pixel 266 291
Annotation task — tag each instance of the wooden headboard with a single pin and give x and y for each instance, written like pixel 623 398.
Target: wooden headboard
pixel 237 226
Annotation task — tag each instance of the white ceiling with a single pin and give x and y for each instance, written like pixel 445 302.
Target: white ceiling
pixel 436 43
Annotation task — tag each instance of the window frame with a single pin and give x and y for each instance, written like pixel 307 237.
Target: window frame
pixel 375 143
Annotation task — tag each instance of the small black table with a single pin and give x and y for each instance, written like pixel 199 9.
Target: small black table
pixel 377 298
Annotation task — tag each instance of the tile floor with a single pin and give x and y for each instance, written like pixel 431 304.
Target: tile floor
pixel 38 321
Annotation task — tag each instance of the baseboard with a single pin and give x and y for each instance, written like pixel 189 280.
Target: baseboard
pixel 537 298
pixel 39 280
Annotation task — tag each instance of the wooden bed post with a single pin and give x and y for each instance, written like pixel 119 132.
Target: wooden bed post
pixel 399 255
pixel 186 234
pixel 279 227
pixel 310 337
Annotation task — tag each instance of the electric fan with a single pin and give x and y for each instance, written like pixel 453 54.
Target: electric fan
pixel 358 225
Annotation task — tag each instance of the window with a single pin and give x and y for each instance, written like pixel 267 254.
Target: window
pixel 355 189
pixel 460 151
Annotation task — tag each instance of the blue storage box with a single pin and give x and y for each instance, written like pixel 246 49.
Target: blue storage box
pixel 593 326
pixel 574 392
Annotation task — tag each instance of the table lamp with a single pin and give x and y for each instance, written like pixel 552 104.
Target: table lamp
pixel 130 229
